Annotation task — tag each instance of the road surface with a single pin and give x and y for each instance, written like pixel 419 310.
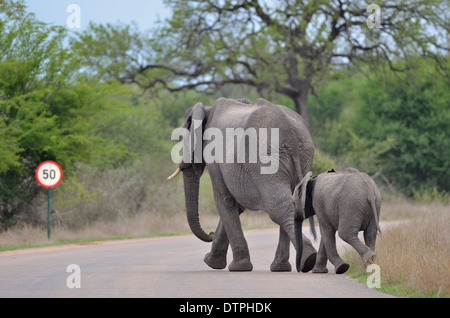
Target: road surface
pixel 163 267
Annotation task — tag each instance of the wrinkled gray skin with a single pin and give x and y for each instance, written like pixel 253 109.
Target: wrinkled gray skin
pixel 347 202
pixel 240 186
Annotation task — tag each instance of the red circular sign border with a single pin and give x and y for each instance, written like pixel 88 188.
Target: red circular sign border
pixel 60 170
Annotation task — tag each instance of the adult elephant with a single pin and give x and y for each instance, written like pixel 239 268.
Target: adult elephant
pixel 243 180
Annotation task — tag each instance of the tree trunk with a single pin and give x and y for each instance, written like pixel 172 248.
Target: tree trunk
pixel 300 102
pixel 299 85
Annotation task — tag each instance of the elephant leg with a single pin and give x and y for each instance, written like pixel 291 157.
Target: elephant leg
pixel 229 216
pixel 329 242
pixel 283 215
pixel 239 247
pixel 231 223
pixel 309 255
pixel 281 261
pixel 217 258
pixel 321 261
pixel 350 235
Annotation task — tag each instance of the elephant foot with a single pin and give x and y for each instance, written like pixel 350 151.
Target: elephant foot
pixel 280 267
pixel 308 261
pixel 341 268
pixel 320 269
pixel 243 265
pixel 368 258
pixel 216 262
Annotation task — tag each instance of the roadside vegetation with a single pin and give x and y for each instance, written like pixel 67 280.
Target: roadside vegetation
pixel 414 257
pixel 109 129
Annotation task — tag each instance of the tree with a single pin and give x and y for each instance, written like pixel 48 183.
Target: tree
pixel 397 124
pixel 284 45
pixel 412 111
pixel 46 111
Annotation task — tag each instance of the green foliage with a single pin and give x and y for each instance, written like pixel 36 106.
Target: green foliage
pixel 368 156
pixel 47 112
pixel 111 51
pixel 433 195
pixel 322 162
pixel 335 93
pixel 395 123
pixel 413 109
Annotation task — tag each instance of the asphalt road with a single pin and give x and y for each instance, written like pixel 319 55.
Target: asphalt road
pixel 163 267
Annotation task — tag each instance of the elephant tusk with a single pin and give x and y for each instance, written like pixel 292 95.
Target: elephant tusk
pixel 176 173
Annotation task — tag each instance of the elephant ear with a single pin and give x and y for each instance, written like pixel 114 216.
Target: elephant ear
pixel 299 195
pixel 196 134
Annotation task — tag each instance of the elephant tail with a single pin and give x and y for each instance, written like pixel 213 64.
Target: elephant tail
pixel 299 198
pixel 298 220
pixel 313 228
pixel 375 214
pixel 372 199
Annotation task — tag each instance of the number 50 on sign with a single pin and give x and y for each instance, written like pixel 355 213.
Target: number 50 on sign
pixel 49 174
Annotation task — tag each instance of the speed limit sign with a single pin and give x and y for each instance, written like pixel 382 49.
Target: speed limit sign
pixel 49 174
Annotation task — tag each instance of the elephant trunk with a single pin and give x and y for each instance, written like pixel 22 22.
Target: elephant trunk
pixel 191 191
pixel 298 220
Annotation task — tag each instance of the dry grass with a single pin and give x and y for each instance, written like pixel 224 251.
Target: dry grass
pixel 118 203
pixel 415 256
pixel 403 209
pixel 144 224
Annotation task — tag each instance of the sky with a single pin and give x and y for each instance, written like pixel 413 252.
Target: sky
pixel 144 12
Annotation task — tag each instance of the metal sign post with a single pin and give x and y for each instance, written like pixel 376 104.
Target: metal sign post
pixel 49 213
pixel 49 175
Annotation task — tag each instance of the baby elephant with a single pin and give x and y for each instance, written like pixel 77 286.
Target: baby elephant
pixel 347 201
